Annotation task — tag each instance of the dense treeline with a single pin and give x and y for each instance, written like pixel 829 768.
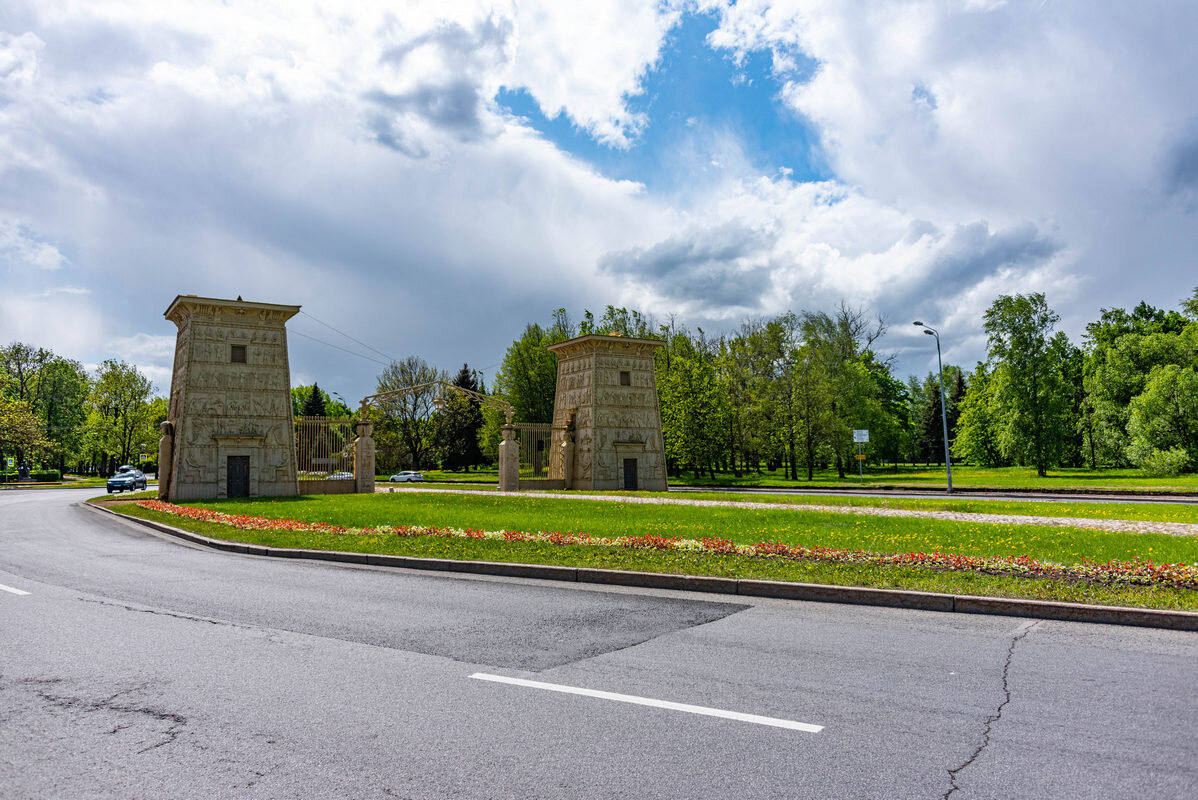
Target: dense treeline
pixel 58 418
pixel 782 393
pixel 786 393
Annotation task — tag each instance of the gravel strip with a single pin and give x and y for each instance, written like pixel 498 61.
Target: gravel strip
pixel 1119 525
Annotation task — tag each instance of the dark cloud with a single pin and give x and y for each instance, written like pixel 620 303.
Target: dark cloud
pixel 450 101
pixel 462 47
pixel 453 107
pixel 1181 168
pixel 701 265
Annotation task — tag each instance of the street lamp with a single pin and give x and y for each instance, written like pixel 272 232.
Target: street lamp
pixel 948 459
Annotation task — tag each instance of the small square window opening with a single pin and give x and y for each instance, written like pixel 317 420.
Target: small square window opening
pixel 238 354
pixel 625 378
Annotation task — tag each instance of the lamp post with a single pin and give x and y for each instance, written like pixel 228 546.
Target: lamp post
pixel 948 459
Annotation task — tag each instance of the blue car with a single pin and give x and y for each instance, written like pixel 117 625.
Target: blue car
pixel 127 478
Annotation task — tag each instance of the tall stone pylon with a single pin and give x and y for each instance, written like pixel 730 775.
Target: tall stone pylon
pixel 606 421
pixel 230 430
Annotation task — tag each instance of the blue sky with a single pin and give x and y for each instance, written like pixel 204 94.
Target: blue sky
pixel 430 178
pixel 691 89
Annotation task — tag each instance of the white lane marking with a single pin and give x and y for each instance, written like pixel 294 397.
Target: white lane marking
pixel 10 589
pixel 648 701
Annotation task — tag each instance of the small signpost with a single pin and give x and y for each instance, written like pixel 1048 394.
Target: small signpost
pixel 861 438
pixel 144 457
pixel 9 463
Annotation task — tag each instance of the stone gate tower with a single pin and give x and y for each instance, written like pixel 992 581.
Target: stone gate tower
pixel 230 430
pixel 606 422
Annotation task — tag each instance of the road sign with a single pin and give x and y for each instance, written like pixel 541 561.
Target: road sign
pixel 10 462
pixel 860 456
pixel 860 437
pixel 144 457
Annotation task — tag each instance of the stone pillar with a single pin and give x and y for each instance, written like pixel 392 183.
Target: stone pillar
pixel 166 450
pixel 509 461
pixel 364 457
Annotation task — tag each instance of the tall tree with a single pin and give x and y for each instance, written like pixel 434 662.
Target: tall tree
pixel 20 429
pixel 1165 416
pixel 1029 390
pixel 410 415
pixel 314 403
pixel 977 434
pixel 120 415
pixel 840 340
pixel 458 425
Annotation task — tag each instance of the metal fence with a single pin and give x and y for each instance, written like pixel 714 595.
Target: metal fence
pixel 324 448
pixel 534 438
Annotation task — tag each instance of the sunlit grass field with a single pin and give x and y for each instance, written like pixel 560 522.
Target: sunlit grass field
pixel 489 511
pixel 931 477
pixel 1064 545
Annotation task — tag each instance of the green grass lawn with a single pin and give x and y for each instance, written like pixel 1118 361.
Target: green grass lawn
pixel 1061 545
pixel 1150 512
pixel 964 477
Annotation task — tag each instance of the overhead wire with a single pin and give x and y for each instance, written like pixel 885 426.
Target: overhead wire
pixel 338 347
pixel 347 336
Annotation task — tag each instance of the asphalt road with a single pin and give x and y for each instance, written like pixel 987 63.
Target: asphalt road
pixel 140 667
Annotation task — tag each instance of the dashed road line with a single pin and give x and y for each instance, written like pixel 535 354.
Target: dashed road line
pixel 4 588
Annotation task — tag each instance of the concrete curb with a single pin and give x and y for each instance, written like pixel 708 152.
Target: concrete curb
pixel 811 592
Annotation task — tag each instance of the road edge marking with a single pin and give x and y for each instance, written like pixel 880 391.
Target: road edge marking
pixel 4 588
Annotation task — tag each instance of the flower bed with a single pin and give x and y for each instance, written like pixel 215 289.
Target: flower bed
pixel 1136 572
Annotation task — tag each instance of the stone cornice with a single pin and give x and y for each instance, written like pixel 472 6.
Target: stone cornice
pixel 602 343
pixel 189 306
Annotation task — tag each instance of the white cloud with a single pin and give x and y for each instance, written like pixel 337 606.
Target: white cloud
pixel 355 162
pixel 20 249
pixel 18 61
pixel 586 59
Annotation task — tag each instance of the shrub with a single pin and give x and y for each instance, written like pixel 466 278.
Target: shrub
pixel 45 475
pixel 1162 463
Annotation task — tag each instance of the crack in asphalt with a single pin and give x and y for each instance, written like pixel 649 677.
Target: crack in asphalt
pixel 160 613
pixel 70 703
pixel 997 715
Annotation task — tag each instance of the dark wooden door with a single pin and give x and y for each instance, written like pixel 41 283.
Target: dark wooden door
pixel 238 477
pixel 630 474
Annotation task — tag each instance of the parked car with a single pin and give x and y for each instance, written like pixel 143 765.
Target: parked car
pixel 406 476
pixel 127 478
pixel 341 476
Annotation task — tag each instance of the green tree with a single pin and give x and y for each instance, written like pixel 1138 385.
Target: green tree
pixel 1165 415
pixel 63 387
pixel 841 341
pixel 1029 391
pixel 458 425
pixel 1190 305
pixel 314 403
pixel 120 414
pixel 20 429
pixel 409 416
pixel 977 438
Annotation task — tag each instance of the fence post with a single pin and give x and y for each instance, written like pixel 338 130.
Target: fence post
pixel 364 457
pixel 509 460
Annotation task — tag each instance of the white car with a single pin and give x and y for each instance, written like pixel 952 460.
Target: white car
pixel 340 476
pixel 406 477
